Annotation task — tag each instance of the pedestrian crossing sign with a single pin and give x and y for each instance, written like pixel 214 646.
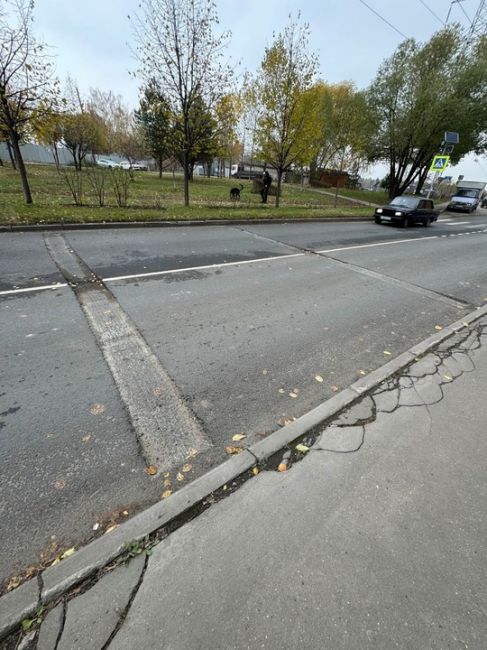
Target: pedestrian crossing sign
pixel 440 163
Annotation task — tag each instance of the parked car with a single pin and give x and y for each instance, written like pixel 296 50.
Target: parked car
pixel 467 196
pixel 138 167
pixel 407 211
pixel 107 163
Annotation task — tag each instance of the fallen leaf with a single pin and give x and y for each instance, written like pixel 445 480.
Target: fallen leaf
pixel 255 471
pixel 448 377
pixel 96 526
pixel 167 474
pixel 187 467
pixel 125 513
pixel 239 436
pixel 283 421
pixel 60 484
pixel 465 324
pixel 179 477
pixel 110 528
pixel 387 353
pixel 13 583
pixel 334 388
pixel 362 372
pixel 97 409
pixel 438 327
pixel 157 391
pixel 151 470
pixel 192 452
pixel 56 561
pixel 282 467
pixel 264 372
pixel 67 553
pixel 319 378
pixel 167 483
pixel 231 449
pixel 166 494
pixel 86 438
pixel 302 448
pixel 292 394
pixel 282 391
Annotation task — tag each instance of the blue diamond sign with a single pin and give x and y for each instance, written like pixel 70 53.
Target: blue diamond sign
pixel 440 163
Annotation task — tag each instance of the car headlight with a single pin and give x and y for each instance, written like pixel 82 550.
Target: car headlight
pixel 379 211
pixel 398 214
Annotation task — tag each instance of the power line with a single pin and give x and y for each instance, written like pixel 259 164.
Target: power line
pixel 432 12
pixel 383 19
pixel 465 13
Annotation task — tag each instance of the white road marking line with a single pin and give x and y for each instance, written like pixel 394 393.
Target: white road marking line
pixel 385 243
pixel 200 268
pixel 10 292
pixel 458 223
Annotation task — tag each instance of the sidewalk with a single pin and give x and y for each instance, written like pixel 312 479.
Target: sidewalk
pixel 376 539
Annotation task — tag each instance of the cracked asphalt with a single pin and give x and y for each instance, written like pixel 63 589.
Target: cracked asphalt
pixel 236 319
pixel 375 538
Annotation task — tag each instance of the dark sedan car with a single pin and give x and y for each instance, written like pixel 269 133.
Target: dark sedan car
pixel 407 211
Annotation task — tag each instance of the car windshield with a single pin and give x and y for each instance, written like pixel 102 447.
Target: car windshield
pixel 405 202
pixel 469 194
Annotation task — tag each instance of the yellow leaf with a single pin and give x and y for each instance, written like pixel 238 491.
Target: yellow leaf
pixel 438 327
pixel 151 470
pixel 67 553
pixel 292 394
pixel 231 449
pixel 387 353
pixel 97 409
pixel 282 467
pixel 110 528
pixel 239 436
pixel 362 372
pixel 192 452
pixel 187 467
pixel 179 477
pixel 255 471
pixel 166 494
pixel 302 448
pixel 448 377
pixel 56 561
pixel 282 391
pixel 319 378
pixel 282 422
pixel 167 483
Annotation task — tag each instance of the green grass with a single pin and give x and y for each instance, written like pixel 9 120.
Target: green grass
pixel 151 198
pixel 365 195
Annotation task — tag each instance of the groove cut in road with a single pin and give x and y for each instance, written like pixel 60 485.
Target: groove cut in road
pixel 427 293
pixel 166 428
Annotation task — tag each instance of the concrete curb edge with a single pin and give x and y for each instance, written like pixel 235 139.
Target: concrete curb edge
pixel 171 224
pixel 56 580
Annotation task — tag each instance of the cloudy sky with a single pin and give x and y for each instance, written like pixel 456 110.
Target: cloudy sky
pixel 91 38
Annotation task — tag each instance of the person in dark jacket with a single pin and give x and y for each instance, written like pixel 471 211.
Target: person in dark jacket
pixel 266 180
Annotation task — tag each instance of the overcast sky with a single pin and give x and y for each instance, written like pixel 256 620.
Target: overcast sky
pixel 91 39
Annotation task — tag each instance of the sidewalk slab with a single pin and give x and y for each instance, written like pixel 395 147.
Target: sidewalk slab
pixel 380 548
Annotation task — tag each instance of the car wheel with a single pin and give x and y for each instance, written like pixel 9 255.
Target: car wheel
pixel 426 222
pixel 378 220
pixel 403 223
pixel 410 222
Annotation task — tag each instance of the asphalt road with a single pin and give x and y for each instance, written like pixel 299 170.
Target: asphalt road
pixel 233 325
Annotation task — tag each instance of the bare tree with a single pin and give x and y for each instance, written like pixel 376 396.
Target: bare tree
pixel 26 82
pixel 178 50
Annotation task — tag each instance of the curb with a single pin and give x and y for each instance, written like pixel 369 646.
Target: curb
pixel 172 224
pixel 56 580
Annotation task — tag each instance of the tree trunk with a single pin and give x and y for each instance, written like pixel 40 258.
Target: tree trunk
pixel 55 155
pixel 21 166
pixel 10 153
pixel 278 191
pixel 422 180
pixel 186 178
pixel 159 162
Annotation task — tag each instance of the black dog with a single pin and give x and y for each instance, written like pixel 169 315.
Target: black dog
pixel 235 192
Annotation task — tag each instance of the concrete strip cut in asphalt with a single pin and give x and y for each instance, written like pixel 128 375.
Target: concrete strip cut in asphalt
pixel 167 430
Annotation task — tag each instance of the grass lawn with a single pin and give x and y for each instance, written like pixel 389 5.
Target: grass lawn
pixel 381 198
pixel 151 198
